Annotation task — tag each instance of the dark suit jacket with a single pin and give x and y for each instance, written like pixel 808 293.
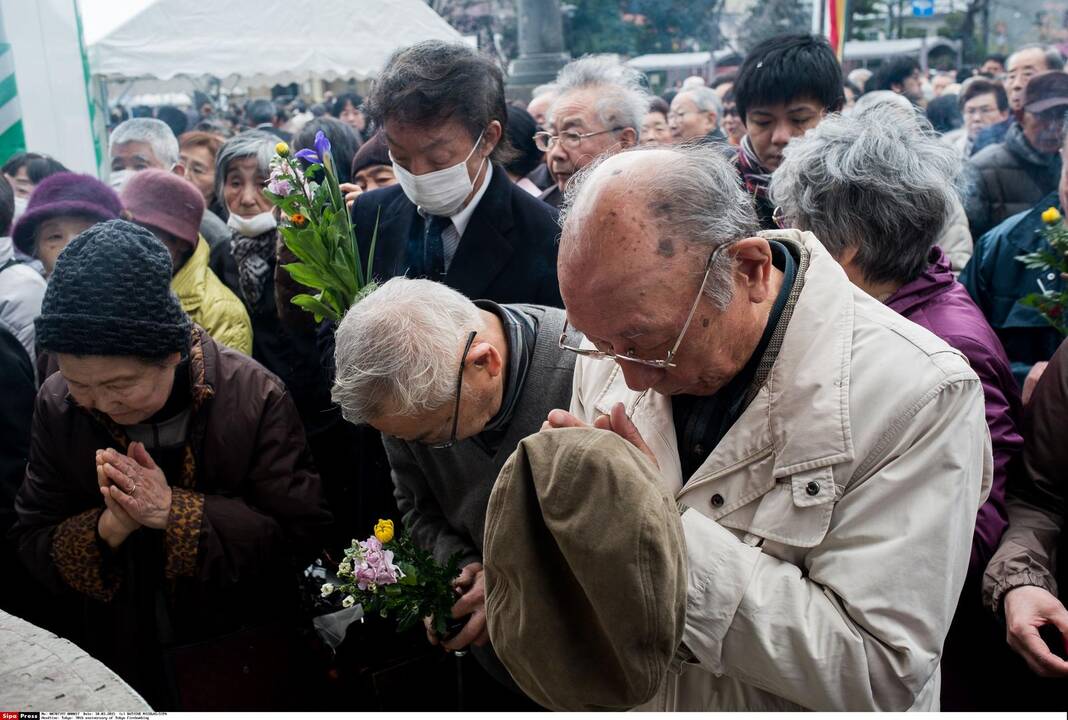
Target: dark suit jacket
pixel 507 253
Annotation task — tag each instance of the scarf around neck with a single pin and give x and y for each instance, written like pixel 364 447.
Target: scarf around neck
pixel 255 258
pixel 754 175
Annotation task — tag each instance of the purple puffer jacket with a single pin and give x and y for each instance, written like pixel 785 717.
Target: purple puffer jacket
pixel 936 301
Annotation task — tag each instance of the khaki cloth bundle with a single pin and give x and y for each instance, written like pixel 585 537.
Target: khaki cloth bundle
pixel 585 571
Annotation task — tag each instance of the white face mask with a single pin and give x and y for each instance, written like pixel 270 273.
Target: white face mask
pixel 441 192
pixel 20 207
pixel 253 226
pixel 118 178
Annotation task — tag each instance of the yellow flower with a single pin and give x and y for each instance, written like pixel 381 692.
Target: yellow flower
pixel 384 531
pixel 282 149
pixel 1051 216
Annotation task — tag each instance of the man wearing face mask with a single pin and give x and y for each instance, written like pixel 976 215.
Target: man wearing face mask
pixel 143 143
pixel 454 216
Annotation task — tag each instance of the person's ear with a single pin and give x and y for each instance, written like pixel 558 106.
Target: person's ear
pixel 484 356
pixel 752 258
pixel 490 138
pixel 628 137
pixel 179 170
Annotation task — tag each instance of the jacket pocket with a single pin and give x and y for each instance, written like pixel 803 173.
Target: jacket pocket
pixel 797 511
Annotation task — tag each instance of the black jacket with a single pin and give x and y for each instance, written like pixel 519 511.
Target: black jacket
pixel 507 253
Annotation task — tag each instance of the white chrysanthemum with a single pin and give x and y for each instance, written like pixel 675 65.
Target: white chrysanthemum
pixel 348 602
pixel 327 589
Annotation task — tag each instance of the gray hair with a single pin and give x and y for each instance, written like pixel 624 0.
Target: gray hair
pixel 155 133
pixel 546 89
pixel 692 191
pixel 705 99
pixel 880 180
pixel 622 100
pixel 869 100
pixel 397 349
pixel 251 143
pixel 1053 56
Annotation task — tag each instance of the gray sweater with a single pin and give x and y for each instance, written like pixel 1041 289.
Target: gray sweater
pixel 442 494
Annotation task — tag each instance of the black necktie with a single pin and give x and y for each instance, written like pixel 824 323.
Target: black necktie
pixel 434 250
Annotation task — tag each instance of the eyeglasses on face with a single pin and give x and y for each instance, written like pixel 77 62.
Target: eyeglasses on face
pixel 629 356
pixel 459 386
pixel 569 139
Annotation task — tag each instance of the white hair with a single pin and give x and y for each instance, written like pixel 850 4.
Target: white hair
pixel 546 89
pixel 622 101
pixel 397 350
pixel 694 81
pixel 859 76
pixel 705 99
pixel 155 133
pixel 692 192
pixel 869 100
pixel 880 180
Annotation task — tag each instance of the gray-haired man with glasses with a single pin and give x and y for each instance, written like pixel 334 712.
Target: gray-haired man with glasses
pixel 598 111
pixel 453 385
pixel 828 456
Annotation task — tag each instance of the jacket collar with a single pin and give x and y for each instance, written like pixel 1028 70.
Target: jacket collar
pixel 484 250
pixel 486 246
pixel 1016 143
pixel 935 280
pixel 802 411
pixel 190 283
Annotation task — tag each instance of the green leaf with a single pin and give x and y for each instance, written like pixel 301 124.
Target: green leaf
pixel 314 305
pixel 306 275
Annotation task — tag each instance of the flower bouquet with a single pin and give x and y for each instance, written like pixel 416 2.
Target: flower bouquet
pixel 316 227
pixel 394 576
pixel 1051 303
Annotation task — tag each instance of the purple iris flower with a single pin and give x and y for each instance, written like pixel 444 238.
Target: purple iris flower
pixel 318 155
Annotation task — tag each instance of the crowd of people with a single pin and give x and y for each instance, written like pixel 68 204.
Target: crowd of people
pixel 790 295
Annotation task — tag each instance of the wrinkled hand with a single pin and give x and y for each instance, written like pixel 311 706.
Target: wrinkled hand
pixel 115 524
pixel 351 192
pixel 1032 379
pixel 137 485
pixel 1027 609
pixel 472 582
pixel 617 421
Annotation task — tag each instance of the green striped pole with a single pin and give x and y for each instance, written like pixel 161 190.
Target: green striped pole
pixel 12 138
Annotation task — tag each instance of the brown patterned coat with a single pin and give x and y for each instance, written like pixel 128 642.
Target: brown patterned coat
pixel 247 508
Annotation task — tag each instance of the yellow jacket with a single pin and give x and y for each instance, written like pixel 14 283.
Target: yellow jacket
pixel 210 304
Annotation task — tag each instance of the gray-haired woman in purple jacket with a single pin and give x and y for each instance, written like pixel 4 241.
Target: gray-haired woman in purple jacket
pixel 876 189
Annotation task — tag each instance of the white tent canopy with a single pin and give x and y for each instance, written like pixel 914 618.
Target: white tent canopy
pixel 264 42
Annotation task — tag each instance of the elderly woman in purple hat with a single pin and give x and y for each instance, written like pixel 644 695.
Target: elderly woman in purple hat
pixel 62 206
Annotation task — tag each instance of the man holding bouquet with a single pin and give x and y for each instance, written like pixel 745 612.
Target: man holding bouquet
pixel 453 385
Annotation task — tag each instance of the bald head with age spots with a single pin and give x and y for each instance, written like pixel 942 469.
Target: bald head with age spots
pixel 638 230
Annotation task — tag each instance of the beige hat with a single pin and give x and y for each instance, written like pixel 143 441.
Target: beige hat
pixel 585 571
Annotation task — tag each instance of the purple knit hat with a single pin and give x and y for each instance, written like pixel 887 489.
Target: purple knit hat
pixel 65 194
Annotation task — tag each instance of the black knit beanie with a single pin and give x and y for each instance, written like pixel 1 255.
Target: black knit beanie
pixel 110 294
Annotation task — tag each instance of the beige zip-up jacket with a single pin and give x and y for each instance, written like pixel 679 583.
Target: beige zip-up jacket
pixel 828 534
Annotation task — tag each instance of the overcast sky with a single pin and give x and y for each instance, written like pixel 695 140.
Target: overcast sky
pixel 99 17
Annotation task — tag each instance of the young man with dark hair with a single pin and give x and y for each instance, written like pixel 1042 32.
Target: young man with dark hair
pixel 785 87
pixel 900 75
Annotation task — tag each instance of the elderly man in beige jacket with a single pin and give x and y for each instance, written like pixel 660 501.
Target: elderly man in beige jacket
pixel 828 455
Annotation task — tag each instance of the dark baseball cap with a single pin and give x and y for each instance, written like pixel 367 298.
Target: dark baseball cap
pixel 1046 91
